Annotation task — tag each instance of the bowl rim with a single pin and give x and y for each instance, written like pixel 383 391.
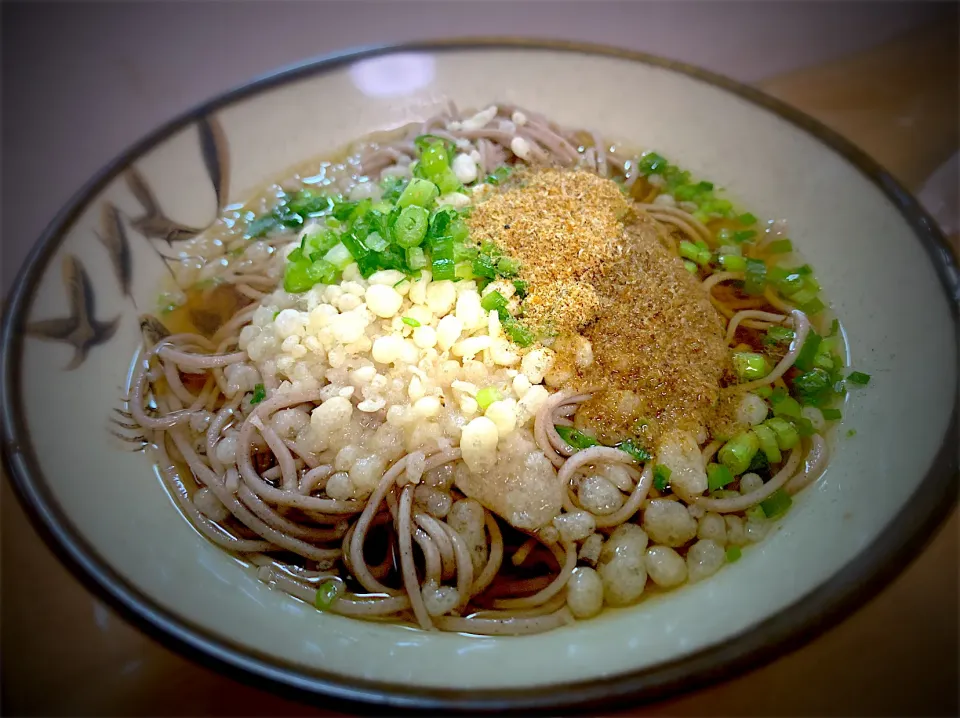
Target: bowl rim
pixel 822 607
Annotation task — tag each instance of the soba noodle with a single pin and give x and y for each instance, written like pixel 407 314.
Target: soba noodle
pixel 384 517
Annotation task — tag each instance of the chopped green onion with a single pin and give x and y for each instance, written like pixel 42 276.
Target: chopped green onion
pixel 803 296
pixel 296 277
pixel 832 414
pixel 493 301
pixel 521 287
pixel 718 476
pixel 688 250
pixel 392 188
pixel 776 504
pixel 812 383
pixel 434 161
pixel 447 182
pixel 636 451
pixel 768 443
pixel 339 256
pixel 759 462
pixel 780 246
pixel 778 395
pixel 859 378
pixel 851 432
pixel 788 407
pixel 327 593
pixel 317 242
pixel 519 334
pixel 463 253
pixel 259 394
pixel 747 219
pixel 690 266
pixel 750 366
pixel 485 266
pixel 808 351
pixel 309 204
pixel 424 142
pixel 351 211
pixel 463 271
pixel 713 206
pixel 813 307
pixel 778 335
pixel 744 235
pixel 733 554
pixel 416 258
pixel 303 274
pixel 499 175
pixel 443 268
pixel 577 439
pixel 786 434
pixel 733 262
pixel 375 242
pixel 419 192
pixel 809 282
pixel 507 266
pixel 441 223
pixel 661 477
pixel 737 453
pixel 787 282
pixel 651 164
pixel 804 426
pixel 287 217
pixel 730 249
pixel 764 392
pixel 261 226
pixel 756 277
pixel 488 395
pixel 410 321
pixel 410 227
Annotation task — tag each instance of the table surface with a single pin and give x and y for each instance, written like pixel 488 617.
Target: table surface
pixel 66 653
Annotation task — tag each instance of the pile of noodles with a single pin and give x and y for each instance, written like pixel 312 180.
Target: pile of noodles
pixel 302 542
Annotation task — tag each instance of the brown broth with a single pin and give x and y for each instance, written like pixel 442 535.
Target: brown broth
pixel 206 309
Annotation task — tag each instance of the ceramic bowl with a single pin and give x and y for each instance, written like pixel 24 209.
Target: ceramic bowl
pixel 72 327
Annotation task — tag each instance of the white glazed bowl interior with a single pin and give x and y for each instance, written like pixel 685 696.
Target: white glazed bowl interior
pixel 885 288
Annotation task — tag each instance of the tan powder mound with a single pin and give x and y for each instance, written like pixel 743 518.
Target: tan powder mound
pixel 659 336
pixel 564 227
pixel 596 267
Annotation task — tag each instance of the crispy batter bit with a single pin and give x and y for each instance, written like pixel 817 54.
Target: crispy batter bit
pixel 565 228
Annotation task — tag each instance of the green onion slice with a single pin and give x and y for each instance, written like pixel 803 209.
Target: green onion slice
pixel 776 504
pixel 661 477
pixel 577 439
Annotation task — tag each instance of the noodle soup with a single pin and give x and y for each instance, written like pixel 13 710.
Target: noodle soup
pixel 489 375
